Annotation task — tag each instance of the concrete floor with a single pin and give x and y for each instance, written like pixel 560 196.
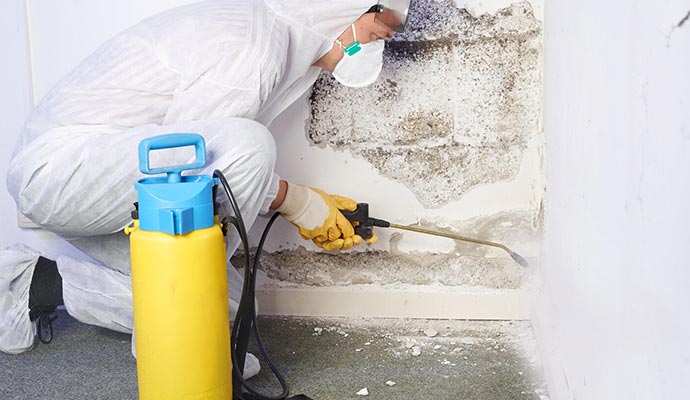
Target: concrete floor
pixel 323 358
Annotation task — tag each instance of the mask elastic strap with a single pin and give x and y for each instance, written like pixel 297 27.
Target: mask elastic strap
pixel 352 48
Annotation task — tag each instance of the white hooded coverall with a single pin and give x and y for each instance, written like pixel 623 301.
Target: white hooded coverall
pixel 223 69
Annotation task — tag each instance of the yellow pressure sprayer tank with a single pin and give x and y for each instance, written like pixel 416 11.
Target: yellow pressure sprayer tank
pixel 179 281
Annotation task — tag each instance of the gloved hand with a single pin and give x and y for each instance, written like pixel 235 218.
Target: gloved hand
pixel 345 203
pixel 316 214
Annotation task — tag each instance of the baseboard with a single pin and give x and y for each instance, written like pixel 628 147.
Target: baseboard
pixel 369 301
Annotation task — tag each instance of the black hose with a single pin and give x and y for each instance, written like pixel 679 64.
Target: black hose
pixel 246 308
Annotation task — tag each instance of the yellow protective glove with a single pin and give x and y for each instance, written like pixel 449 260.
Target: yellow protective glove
pixel 316 215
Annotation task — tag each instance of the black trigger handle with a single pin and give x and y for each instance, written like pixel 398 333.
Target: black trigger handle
pixel 364 224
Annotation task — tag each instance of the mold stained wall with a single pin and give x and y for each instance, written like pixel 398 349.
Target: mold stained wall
pixel 449 137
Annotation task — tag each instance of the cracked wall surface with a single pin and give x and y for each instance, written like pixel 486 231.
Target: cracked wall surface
pixel 457 101
pixel 448 138
pixel 466 265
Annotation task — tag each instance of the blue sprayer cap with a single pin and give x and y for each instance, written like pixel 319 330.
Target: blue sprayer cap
pixel 174 204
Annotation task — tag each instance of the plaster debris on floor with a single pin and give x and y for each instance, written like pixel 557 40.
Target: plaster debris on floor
pixel 398 358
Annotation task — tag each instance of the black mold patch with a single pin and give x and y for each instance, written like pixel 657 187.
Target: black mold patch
pixel 457 101
pixel 416 50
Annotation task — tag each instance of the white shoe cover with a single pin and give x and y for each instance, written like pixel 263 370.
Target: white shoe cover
pixel 16 269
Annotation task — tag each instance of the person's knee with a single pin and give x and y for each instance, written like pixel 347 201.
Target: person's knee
pixel 38 199
pixel 57 186
pixel 28 188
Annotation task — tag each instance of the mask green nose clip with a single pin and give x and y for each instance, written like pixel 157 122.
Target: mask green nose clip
pixel 353 48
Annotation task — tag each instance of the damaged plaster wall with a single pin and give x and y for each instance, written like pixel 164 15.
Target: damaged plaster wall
pixel 449 137
pixel 454 106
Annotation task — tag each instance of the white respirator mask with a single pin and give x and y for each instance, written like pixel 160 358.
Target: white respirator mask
pixel 361 63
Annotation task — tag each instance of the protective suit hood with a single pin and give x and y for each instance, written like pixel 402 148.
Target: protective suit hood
pixel 312 27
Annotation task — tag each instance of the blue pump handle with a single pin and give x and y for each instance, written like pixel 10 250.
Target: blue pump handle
pixel 169 141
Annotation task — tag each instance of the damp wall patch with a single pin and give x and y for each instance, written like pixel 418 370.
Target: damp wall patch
pixel 449 138
pixel 466 264
pixel 457 101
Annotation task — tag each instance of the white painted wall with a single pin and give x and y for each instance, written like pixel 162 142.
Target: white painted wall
pixel 613 317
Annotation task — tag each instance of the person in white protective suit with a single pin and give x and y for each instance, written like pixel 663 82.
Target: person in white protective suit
pixel 223 69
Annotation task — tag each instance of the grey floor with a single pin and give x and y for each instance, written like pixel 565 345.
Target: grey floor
pixel 323 358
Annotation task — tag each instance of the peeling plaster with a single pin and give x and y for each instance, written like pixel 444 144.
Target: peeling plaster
pixel 448 138
pixel 457 102
pixel 466 264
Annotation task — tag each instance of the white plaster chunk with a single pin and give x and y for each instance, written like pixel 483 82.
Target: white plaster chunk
pixel 416 350
pixel 390 383
pixel 430 332
pixel 468 340
pixel 363 392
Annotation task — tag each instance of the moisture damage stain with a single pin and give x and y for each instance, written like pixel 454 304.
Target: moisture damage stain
pixel 457 101
pixel 385 268
pixel 467 265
